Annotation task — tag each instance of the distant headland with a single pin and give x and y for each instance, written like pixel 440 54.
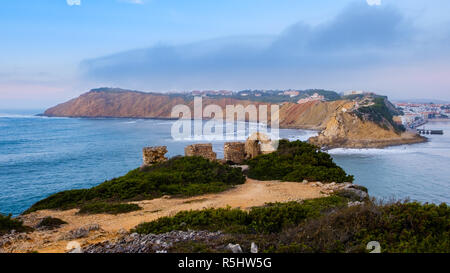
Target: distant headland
pixel 356 120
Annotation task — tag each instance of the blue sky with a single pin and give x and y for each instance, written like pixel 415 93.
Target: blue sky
pixel 51 51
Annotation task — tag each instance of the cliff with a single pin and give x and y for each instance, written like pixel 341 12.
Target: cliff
pixel 349 127
pixel 363 121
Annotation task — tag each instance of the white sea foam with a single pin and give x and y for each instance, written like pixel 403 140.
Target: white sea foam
pixel 374 151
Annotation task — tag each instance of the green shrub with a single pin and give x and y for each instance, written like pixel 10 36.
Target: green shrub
pixel 50 223
pixel 297 161
pixel 184 176
pixel 108 208
pixel 380 114
pixel 268 219
pixel 7 224
pixel 399 227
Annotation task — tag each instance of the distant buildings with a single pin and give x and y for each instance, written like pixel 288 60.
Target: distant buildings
pixel 357 92
pixel 211 93
pixel 314 97
pixel 291 93
pixel 416 114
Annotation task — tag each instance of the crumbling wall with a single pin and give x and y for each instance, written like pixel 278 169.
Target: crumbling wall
pixel 203 150
pixel 153 155
pixel 234 152
pixel 258 143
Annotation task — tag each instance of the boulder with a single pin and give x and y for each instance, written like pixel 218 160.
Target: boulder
pixel 254 248
pixel 234 248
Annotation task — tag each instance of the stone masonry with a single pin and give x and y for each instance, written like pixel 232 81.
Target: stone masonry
pixel 203 150
pixel 256 144
pixel 153 155
pixel 234 152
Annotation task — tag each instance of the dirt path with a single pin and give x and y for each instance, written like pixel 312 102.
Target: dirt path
pixel 252 193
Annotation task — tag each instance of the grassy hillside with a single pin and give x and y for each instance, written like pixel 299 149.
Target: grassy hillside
pixel 184 176
pixel 380 113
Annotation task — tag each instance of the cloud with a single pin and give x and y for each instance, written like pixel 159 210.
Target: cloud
pixel 360 39
pixel 374 2
pixel 73 2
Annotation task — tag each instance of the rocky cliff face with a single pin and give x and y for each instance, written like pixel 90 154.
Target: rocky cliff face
pixel 343 123
pixel 346 129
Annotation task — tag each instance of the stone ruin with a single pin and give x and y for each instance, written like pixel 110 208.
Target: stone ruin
pixel 234 152
pixel 203 150
pixel 258 143
pixel 153 155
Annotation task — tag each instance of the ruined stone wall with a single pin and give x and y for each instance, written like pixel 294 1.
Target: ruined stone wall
pixel 153 155
pixel 258 143
pixel 234 152
pixel 203 150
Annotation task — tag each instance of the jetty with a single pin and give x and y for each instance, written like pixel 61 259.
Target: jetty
pixel 430 132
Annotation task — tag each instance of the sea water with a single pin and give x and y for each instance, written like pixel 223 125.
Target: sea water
pixel 40 156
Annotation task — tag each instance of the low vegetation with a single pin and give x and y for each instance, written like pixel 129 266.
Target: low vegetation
pixel 324 225
pixel 296 161
pixel 180 176
pixel 268 219
pixel 8 224
pixel 379 113
pixel 108 208
pixel 50 223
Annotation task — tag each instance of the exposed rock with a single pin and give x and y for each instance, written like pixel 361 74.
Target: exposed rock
pixel 234 152
pixel 354 203
pixel 11 238
pixel 153 155
pixel 244 168
pixel 361 194
pixel 76 234
pixel 122 231
pixel 253 248
pixel 203 150
pixel 234 248
pixel 347 129
pixel 81 232
pixel 150 243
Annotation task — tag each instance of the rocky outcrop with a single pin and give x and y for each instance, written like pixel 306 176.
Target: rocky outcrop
pixel 151 243
pixel 345 129
pixel 203 150
pixel 154 155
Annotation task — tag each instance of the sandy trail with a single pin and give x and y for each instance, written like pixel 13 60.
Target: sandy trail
pixel 252 193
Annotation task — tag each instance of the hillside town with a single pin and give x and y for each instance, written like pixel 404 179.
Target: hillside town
pixel 417 114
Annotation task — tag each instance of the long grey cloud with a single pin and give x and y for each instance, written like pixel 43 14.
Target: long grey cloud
pixel 360 37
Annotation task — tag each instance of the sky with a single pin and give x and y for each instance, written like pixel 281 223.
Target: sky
pixel 54 50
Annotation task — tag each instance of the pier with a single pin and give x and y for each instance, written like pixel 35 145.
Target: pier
pixel 430 132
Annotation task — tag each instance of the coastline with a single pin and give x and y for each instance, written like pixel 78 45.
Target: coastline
pixel 340 143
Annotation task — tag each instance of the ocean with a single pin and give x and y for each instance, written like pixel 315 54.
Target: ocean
pixel 40 156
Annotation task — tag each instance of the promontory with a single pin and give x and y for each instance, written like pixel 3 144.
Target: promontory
pixel 363 120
